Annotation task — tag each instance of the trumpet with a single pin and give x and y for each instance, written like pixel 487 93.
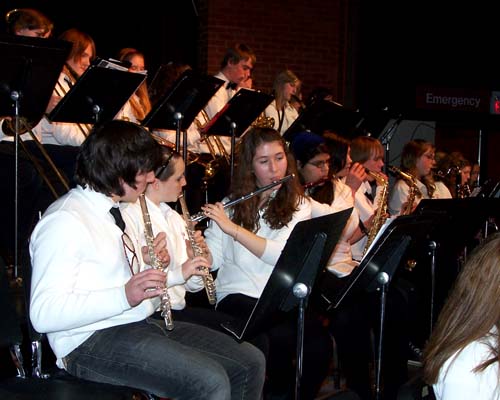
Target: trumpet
pixel 201 215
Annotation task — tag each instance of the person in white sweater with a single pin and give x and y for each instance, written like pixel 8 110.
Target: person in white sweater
pixel 461 358
pixel 246 242
pixel 93 298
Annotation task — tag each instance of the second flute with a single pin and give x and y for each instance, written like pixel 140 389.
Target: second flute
pixel 201 216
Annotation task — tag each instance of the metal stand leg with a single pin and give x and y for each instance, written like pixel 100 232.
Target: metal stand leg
pixel 432 247
pixel 301 292
pixel 383 280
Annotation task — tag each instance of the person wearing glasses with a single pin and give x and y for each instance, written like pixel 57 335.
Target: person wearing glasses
pixel 417 160
pixel 95 304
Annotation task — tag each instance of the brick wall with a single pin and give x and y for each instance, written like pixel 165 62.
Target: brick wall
pixel 308 37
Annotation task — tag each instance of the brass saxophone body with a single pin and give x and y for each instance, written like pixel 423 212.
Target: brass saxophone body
pixel 208 280
pixel 166 311
pixel 381 211
pixel 414 191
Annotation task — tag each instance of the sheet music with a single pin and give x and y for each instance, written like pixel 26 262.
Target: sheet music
pixel 379 233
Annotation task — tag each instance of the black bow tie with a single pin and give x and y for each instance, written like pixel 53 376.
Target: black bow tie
pixel 231 85
pixel 117 215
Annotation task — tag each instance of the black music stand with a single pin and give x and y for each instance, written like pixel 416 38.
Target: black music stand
pixel 181 103
pixel 97 96
pixel 379 265
pixel 29 71
pixel 306 252
pixel 321 115
pixel 465 218
pixel 237 115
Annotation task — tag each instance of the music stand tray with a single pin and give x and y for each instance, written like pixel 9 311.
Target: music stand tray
pixel 384 255
pixel 238 113
pixel 30 67
pixel 321 115
pixel 294 265
pixel 97 96
pixel 187 96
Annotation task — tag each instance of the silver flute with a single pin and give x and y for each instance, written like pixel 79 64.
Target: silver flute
pixel 201 215
pixel 208 280
pixel 166 311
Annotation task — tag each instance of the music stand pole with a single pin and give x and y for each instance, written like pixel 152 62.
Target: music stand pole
pixel 16 96
pixel 232 126
pixel 300 291
pixel 178 117
pixel 432 247
pixel 383 280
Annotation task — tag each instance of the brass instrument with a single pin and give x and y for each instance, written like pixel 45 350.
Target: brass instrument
pixel 263 121
pixel 381 211
pixel 414 190
pixel 25 127
pixel 61 92
pixel 213 142
pixel 201 215
pixel 208 280
pixel 166 311
pixel 192 157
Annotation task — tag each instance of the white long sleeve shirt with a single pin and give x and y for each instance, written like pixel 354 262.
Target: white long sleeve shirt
pixel 457 380
pixel 288 116
pixel 341 262
pixel 239 270
pixel 165 219
pixel 80 269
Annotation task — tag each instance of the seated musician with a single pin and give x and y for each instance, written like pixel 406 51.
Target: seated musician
pixel 351 322
pixel 246 242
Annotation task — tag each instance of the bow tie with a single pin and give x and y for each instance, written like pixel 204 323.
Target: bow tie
pixel 231 85
pixel 117 215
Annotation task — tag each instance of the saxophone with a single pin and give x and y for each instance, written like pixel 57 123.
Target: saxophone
pixel 208 280
pixel 381 211
pixel 166 311
pixel 414 190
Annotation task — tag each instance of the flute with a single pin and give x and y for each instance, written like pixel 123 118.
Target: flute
pixel 201 216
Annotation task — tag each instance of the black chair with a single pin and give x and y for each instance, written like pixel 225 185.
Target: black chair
pixel 22 382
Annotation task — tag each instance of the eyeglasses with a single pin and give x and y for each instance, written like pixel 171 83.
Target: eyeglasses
pixel 430 156
pixel 130 254
pixel 320 163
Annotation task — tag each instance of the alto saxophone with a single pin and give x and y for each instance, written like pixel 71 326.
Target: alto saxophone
pixel 380 213
pixel 166 311
pixel 208 280
pixel 413 193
